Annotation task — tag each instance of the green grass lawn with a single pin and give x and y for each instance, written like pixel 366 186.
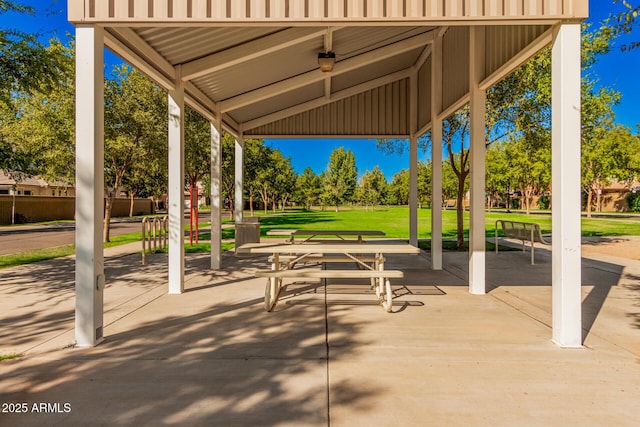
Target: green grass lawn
pixel 36 255
pixel 394 221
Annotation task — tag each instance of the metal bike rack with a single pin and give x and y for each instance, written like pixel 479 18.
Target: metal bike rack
pixel 156 230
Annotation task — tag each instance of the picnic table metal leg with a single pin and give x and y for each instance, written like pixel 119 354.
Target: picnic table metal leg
pixel 272 289
pixel 271 292
pixel 387 300
pixel 383 288
pixel 375 285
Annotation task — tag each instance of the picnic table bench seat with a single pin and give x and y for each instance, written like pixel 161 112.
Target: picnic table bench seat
pixel 379 281
pixel 317 273
pixel 320 258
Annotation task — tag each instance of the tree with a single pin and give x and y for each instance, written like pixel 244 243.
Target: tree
pixel 341 176
pixel 497 179
pixel 609 158
pixel 424 183
pixel 228 171
pixel 528 159
pixel 148 178
pixel 135 120
pixel 197 158
pixel 454 133
pixel 450 182
pixel 26 68
pixel 373 187
pixel 601 157
pixel 284 181
pixel 25 64
pixel 398 190
pixel 308 188
pixel 520 110
pixel 197 147
pixel 256 164
pixel 624 21
pixel 38 129
pixel 276 181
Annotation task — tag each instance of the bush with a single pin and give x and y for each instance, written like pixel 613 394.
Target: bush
pixel 633 199
pixel 544 202
pixel 20 218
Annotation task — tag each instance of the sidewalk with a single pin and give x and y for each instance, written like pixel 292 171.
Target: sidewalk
pixel 327 355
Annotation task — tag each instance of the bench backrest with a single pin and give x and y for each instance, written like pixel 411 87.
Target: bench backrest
pixel 521 230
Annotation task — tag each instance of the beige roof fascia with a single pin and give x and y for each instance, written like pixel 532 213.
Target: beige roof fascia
pixel 436 12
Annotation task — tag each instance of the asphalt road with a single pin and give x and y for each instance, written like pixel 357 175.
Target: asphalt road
pixel 22 238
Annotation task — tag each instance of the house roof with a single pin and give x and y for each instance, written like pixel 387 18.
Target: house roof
pixel 36 181
pixel 254 63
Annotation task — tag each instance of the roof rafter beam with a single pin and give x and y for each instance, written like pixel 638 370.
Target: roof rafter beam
pixel 200 102
pixel 316 76
pixel 423 58
pixel 249 51
pixel 319 102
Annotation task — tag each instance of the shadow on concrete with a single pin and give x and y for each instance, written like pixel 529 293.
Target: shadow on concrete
pixel 508 269
pixel 195 359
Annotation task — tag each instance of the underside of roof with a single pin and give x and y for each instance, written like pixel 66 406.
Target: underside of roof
pixel 254 63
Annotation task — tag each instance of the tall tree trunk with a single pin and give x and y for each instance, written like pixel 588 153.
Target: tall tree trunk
pixel 131 198
pixel 251 201
pixel 460 214
pixel 265 200
pixel 107 216
pixel 589 201
pixel 109 203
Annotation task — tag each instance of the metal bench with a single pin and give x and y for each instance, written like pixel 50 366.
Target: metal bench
pixel 523 231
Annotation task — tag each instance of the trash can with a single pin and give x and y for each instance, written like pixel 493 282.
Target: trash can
pixel 247 232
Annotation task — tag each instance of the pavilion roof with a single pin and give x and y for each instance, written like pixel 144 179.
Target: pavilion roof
pixel 254 63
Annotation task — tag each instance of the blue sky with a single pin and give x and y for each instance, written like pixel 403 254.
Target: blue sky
pixel 617 70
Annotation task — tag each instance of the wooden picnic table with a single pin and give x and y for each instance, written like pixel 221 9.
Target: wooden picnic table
pixel 358 252
pixel 312 234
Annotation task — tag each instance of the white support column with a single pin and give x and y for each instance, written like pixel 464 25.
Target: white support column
pixel 436 154
pixel 413 161
pixel 239 180
pixel 216 189
pixel 477 239
pixel 565 140
pixel 89 185
pixel 413 191
pixel 176 187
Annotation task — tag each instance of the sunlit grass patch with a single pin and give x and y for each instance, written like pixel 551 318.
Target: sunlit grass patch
pixel 10 356
pixel 35 255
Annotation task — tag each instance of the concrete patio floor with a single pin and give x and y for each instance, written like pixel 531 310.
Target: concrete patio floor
pixel 327 355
